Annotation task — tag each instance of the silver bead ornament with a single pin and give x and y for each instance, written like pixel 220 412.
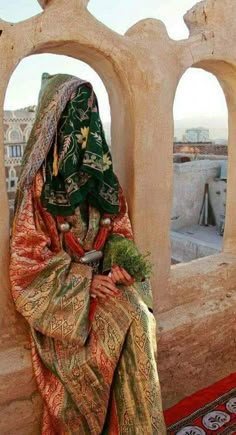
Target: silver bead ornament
pixel 105 222
pixel 64 227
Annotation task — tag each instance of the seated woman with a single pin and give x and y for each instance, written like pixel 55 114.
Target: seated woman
pixel 93 335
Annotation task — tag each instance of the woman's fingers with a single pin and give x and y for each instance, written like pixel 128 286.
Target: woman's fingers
pixel 103 292
pixel 127 276
pixel 107 290
pixel 120 275
pixel 116 277
pixel 98 294
pixel 102 286
pixel 109 284
pixel 106 280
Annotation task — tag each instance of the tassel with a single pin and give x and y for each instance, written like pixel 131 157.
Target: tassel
pixel 101 238
pixel 55 161
pixel 75 247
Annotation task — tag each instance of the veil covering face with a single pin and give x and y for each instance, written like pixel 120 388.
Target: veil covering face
pixel 68 140
pixel 94 360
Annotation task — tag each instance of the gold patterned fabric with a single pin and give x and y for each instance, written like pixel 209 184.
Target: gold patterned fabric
pixel 94 360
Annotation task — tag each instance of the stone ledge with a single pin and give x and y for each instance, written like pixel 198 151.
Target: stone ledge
pixel 201 279
pixel 196 347
pixel 21 417
pixel 16 376
pixel 197 310
pixel 20 402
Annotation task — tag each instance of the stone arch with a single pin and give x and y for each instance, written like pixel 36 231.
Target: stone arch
pixel 14 135
pixel 121 63
pixel 190 179
pixel 111 79
pixel 13 151
pixel 225 73
pixel 203 271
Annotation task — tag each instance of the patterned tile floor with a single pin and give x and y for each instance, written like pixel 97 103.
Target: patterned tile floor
pixel 210 411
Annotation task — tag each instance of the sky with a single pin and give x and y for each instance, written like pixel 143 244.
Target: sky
pixel 198 98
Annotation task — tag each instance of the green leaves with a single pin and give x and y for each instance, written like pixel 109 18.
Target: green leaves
pixel 124 253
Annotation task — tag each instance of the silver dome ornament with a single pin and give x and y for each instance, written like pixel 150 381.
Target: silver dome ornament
pixel 64 227
pixel 91 256
pixel 105 222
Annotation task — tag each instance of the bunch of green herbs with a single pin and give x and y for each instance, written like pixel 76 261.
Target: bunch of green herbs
pixel 124 253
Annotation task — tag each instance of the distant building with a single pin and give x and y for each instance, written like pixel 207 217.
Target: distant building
pixel 196 135
pixel 17 128
pixel 221 142
pixel 199 150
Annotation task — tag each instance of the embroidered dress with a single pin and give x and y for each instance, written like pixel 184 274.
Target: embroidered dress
pixel 94 360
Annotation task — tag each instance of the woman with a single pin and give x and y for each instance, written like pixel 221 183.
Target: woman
pixel 92 332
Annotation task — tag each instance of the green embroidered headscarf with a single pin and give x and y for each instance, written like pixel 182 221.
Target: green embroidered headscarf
pixel 69 141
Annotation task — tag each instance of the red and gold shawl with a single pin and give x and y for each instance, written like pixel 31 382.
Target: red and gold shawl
pixel 94 361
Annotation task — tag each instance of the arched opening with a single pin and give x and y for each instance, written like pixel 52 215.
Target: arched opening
pixel 200 156
pixel 14 135
pixel 21 101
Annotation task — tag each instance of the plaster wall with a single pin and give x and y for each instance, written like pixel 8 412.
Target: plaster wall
pixel 189 184
pixel 195 303
pixel 218 195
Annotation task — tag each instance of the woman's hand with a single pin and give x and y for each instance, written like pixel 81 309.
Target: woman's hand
pixel 120 276
pixel 103 287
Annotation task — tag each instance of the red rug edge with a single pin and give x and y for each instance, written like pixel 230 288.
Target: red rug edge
pixel 198 400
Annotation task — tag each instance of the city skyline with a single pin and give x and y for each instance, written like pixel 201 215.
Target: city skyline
pixel 219 133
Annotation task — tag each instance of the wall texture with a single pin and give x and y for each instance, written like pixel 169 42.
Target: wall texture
pixel 141 71
pixel 189 186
